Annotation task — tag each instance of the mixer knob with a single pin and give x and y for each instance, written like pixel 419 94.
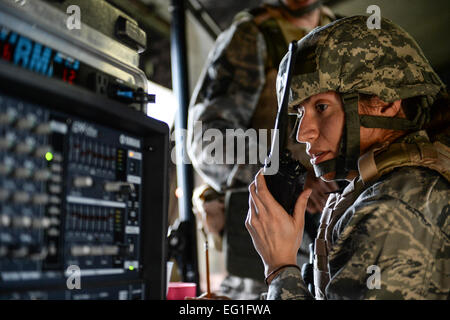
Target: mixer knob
pixel 52 249
pixel 54 211
pixel 22 173
pixel 54 188
pixel 57 157
pixel 53 232
pixel 5 220
pixel 25 147
pixel 56 178
pixel 4 194
pixel 83 182
pixel 8 117
pixel 40 199
pixel 55 200
pixel 5 168
pixel 18 252
pixel 42 175
pixel 21 197
pixel 41 223
pixel 43 129
pixel 26 123
pixel 3 251
pixel 56 168
pixel 22 222
pixel 54 221
pixel 7 142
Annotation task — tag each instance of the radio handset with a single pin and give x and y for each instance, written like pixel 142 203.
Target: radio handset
pixel 287 182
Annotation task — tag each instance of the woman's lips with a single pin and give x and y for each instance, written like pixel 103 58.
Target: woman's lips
pixel 319 157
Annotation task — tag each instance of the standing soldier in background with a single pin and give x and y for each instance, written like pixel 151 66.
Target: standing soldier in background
pixel 237 91
pixel 372 111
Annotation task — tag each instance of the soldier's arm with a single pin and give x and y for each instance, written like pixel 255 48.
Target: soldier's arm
pixel 225 98
pixel 288 285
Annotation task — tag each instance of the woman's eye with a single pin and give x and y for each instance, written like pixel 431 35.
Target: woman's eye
pixel 321 107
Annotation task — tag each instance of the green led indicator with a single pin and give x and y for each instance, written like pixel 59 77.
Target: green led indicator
pixel 131 268
pixel 49 156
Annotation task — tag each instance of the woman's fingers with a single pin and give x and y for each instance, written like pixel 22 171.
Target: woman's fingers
pixel 250 197
pixel 254 197
pixel 252 215
pixel 275 234
pixel 261 186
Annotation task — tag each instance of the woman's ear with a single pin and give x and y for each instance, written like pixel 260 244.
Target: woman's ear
pixel 393 109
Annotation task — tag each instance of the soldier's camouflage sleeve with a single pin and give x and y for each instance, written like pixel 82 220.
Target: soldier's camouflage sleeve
pixel 393 243
pixel 225 98
pixel 399 227
pixel 288 285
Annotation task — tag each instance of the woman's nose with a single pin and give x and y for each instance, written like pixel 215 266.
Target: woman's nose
pixel 308 127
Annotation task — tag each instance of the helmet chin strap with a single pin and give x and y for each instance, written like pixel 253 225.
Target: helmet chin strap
pixel 349 147
pixel 332 165
pixel 301 12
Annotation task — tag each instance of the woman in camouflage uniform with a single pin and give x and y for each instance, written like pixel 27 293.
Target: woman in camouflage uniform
pixel 372 111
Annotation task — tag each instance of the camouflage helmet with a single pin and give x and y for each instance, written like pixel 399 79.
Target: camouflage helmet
pixel 347 57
